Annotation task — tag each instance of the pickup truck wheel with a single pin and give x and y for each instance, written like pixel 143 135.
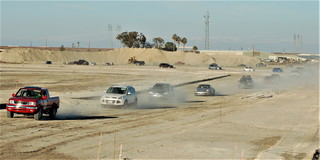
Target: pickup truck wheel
pixel 53 113
pixel 38 115
pixel 9 114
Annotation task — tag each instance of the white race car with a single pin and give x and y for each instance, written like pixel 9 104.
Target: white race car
pixel 119 96
pixel 248 69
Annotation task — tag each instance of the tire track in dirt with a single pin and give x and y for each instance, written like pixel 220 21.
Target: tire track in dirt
pixel 264 144
pixel 139 119
pixel 65 132
pixel 123 124
pixel 85 132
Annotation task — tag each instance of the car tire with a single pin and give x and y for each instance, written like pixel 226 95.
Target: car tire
pixel 10 114
pixel 38 115
pixel 53 112
pixel 125 104
pixel 135 103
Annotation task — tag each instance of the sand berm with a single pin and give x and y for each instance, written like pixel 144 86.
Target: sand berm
pixel 120 56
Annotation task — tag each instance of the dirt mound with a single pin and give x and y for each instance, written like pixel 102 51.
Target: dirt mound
pixel 235 60
pixel 119 56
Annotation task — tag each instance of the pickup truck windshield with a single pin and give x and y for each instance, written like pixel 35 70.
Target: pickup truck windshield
pixel 29 93
pixel 117 90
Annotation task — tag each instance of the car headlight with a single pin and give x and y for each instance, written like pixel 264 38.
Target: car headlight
pixel 11 101
pixel 150 92
pixel 120 97
pixel 32 103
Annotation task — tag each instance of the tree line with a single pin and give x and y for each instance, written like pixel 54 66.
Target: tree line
pixel 139 40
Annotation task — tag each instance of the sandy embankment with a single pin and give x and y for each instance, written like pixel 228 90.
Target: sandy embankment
pixel 120 56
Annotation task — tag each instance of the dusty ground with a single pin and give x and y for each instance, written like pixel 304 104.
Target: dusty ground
pixel 267 122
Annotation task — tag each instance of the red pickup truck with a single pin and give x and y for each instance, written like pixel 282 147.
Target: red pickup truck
pixel 34 101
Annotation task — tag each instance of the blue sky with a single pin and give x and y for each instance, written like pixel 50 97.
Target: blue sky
pixel 262 25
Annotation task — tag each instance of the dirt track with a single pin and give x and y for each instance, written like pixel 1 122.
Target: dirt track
pixel 267 122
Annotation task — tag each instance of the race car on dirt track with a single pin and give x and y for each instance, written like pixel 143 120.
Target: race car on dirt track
pixel 248 69
pixel 204 90
pixel 214 66
pixel 165 65
pixel 277 70
pixel 34 101
pixel 245 82
pixel 162 91
pixel 119 95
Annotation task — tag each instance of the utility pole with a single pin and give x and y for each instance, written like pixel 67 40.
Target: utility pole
pixel 119 32
pixel 207 23
pixel 89 44
pixel 300 44
pixel 297 42
pixel 110 32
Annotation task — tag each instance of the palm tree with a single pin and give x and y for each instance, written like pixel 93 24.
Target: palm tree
pixel 142 40
pixel 174 38
pixel 178 41
pixel 184 42
pixel 194 48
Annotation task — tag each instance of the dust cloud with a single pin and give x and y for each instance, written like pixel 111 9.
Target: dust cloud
pixel 293 78
pixel 148 102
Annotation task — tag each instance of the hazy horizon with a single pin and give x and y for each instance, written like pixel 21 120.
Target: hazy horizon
pixel 271 26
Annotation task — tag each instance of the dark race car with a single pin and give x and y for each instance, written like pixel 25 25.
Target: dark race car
pixel 277 70
pixel 139 63
pixel 165 65
pixel 162 91
pixel 80 62
pixel 204 90
pixel 214 66
pixel 245 82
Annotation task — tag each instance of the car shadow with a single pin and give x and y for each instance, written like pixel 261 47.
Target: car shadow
pixel 61 118
pixel 152 107
pixel 220 95
pixel 194 101
pixel 79 117
pixel 87 98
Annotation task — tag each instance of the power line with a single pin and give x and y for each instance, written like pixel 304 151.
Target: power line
pixel 297 42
